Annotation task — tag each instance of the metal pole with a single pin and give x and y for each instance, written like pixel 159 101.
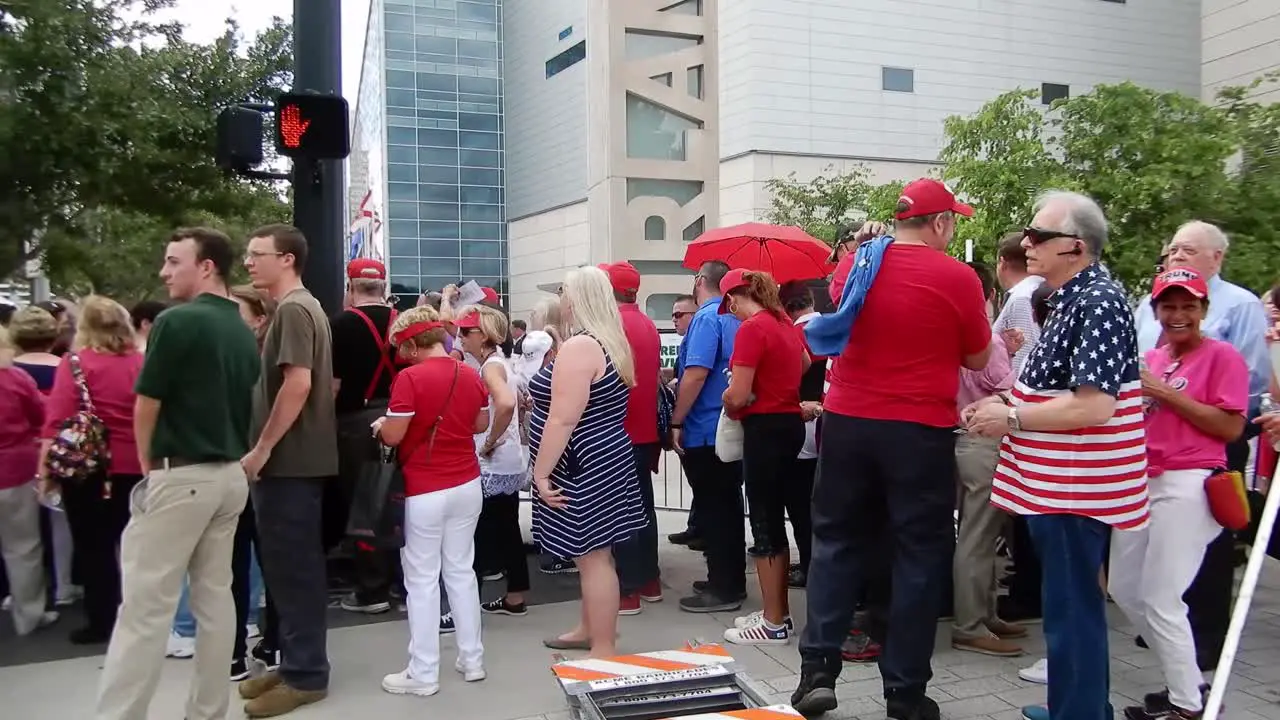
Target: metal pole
pixel 319 186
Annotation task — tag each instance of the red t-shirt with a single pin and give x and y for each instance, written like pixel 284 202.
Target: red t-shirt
pixel 646 349
pixel 923 314
pixel 420 392
pixel 771 347
pixel 111 379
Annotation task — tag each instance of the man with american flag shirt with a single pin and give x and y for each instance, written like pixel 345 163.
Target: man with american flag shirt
pixel 1073 457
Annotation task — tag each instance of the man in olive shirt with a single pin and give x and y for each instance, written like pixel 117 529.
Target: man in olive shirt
pixel 191 422
pixel 294 454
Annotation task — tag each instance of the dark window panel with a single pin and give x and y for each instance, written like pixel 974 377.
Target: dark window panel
pixel 402 173
pixel 481 231
pixel 402 229
pixel 440 248
pixel 398 23
pixel 481 195
pixel 438 211
pixel 438 174
pixel 477 268
pixel 477 49
pixel 1049 92
pixel 477 176
pixel 401 136
pixel 402 191
pixel 437 45
pixel 402 79
pixel 481 249
pixel 567 59
pixel 478 158
pixel 438 114
pixel 477 12
pixel 399 41
pixel 402 247
pixel 898 79
pixel 473 98
pixel 479 86
pixel 439 230
pixel 478 140
pixel 403 210
pixel 435 81
pixel 438 138
pixel 436 282
pixel 402 154
pixel 447 267
pixel 438 193
pixel 482 213
pixel 401 112
pixel 476 121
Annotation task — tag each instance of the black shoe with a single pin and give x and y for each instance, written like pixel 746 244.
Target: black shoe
pixel 556 566
pixel 89 635
pixel 682 538
pixel 1138 712
pixel 1158 702
pixel 446 624
pixel 697 545
pixel 239 670
pixel 266 655
pixel 352 602
pixel 816 693
pixel 707 602
pixel 921 707
pixel 797 577
pixel 1141 642
pixel 701 586
pixel 502 607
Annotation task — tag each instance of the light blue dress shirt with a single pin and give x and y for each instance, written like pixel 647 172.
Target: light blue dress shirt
pixel 1235 316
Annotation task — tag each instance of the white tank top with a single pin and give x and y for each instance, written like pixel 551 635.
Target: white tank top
pixel 508 457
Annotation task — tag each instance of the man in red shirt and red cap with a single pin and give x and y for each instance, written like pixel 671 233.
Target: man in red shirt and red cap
pixel 637 558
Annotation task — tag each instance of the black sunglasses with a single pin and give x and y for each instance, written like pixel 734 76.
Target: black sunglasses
pixel 1038 236
pixel 677 314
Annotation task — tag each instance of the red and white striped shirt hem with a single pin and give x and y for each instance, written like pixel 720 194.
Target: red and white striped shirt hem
pixel 1098 472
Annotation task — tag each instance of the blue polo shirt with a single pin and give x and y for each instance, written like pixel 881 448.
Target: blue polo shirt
pixel 708 344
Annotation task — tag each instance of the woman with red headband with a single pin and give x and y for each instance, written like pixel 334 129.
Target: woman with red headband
pixel 437 405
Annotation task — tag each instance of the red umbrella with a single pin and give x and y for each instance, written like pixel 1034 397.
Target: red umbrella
pixel 785 252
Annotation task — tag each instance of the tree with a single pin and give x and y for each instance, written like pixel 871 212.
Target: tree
pixel 821 205
pixel 109 123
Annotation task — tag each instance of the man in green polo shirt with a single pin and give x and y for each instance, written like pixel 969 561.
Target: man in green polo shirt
pixel 191 423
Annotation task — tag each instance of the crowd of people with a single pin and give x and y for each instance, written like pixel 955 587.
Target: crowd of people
pixel 905 423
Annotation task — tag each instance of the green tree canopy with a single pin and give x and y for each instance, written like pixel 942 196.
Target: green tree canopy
pixel 109 119
pixel 1153 160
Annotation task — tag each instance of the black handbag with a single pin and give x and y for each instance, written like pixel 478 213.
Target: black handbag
pixel 377 508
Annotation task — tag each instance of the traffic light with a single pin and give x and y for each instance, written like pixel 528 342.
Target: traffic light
pixel 312 126
pixel 239 138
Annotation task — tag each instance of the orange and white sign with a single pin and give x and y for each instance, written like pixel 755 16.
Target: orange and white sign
pixel 687 658
pixel 773 712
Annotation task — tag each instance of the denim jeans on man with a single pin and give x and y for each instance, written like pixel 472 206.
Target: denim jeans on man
pixel 184 623
pixel 1071 549
pixel 637 557
pixel 869 470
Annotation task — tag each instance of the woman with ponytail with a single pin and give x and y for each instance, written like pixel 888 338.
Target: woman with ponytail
pixel 764 393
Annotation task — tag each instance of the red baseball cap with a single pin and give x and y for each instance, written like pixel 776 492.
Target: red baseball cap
pixel 1180 277
pixel 468 321
pixel 490 295
pixel 732 280
pixel 927 196
pixel 623 276
pixel 366 269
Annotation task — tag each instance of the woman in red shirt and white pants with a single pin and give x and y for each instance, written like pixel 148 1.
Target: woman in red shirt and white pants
pixel 437 406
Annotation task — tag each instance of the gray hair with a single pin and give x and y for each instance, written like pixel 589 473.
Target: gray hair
pixel 1084 218
pixel 369 286
pixel 1210 232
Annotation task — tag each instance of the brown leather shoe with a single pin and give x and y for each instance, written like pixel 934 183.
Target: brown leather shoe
pixel 281 700
pixel 258 686
pixel 1006 630
pixel 989 645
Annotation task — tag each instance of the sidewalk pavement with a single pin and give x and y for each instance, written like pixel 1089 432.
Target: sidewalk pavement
pixel 520 686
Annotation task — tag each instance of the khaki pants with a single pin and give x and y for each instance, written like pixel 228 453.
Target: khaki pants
pixel 974 566
pixel 183 523
pixel 20 544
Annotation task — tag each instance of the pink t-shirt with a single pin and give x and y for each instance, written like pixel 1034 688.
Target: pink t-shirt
pixel 111 379
pixel 1214 374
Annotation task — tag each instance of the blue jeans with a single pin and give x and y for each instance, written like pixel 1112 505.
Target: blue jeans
pixel 184 623
pixel 1071 550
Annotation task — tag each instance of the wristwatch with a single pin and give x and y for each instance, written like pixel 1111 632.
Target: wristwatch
pixel 1015 424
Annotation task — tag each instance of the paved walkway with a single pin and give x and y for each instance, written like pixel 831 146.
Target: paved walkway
pixel 521 687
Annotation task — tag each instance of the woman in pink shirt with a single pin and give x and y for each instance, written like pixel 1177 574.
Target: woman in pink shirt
pixel 98 510
pixel 1195 392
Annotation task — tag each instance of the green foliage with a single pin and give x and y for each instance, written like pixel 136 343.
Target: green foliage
pixel 1153 160
pixel 110 125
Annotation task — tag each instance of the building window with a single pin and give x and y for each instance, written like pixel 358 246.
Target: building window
pixel 655 228
pixel 566 59
pixel 565 33
pixel 696 228
pixel 659 305
pixel 1053 91
pixel 898 79
pixel 654 133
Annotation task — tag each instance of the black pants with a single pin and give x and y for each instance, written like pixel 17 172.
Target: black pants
pixel 1024 585
pixel 905 473
pixel 718 487
pixel 241 569
pixel 288 519
pixel 375 570
pixel 97 522
pixel 637 556
pixel 799 508
pixel 770 443
pixel 499 543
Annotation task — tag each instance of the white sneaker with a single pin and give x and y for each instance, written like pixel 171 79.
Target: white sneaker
pixel 472 674
pixel 757 618
pixel 69 596
pixel 401 684
pixel 6 604
pixel 1038 673
pixel 251 631
pixel 758 634
pixel 49 617
pixel 180 647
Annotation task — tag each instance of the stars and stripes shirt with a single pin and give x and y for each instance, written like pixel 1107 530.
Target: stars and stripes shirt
pixel 1101 471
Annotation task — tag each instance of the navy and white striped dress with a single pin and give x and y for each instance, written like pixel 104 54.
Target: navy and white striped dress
pixel 596 472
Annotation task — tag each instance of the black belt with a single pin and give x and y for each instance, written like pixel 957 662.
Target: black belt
pixel 178 462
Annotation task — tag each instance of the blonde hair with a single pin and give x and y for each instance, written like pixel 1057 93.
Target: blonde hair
pixel 425 339
pixel 493 323
pixel 595 311
pixel 104 325
pixel 33 329
pixel 546 317
pixel 6 348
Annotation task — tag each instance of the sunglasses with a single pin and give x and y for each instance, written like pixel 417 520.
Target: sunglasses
pixel 1038 236
pixel 677 314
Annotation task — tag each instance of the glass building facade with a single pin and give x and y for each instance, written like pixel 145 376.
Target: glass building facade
pixel 446 217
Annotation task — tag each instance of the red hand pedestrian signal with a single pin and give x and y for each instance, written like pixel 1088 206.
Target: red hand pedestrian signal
pixel 292 126
pixel 312 126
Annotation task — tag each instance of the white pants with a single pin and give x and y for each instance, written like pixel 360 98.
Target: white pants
pixel 23 557
pixel 439 541
pixel 1151 569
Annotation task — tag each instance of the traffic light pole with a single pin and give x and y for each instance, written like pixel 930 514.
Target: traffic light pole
pixel 318 185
